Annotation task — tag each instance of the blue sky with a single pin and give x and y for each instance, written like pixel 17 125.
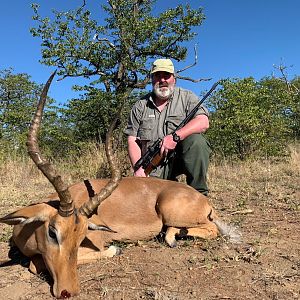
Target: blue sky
pixel 238 39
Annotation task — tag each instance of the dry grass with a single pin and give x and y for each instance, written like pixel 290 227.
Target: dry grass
pixel 274 182
pixel 261 196
pixel 267 179
pixel 21 182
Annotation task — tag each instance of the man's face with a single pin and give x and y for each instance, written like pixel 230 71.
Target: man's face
pixel 163 84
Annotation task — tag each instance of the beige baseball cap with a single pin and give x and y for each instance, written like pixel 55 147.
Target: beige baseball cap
pixel 163 65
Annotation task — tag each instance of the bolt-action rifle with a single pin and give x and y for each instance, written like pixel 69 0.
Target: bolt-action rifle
pixel 152 158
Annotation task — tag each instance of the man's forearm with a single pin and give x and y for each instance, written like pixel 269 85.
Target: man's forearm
pixel 135 154
pixel 134 151
pixel 197 125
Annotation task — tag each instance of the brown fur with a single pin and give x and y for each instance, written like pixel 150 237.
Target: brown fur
pixel 136 210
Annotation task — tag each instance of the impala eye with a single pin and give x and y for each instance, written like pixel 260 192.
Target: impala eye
pixel 52 234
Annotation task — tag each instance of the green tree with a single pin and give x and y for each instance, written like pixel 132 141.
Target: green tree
pixel 116 53
pixel 250 118
pixel 291 91
pixel 18 100
pixel 295 107
pixel 18 97
pixel 90 115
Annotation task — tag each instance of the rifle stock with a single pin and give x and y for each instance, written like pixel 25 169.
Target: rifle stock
pixel 148 157
pixel 154 163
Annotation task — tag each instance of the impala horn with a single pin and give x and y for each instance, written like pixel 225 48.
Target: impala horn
pixel 88 207
pixel 66 206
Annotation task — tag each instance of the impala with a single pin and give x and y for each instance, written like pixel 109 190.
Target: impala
pixel 77 223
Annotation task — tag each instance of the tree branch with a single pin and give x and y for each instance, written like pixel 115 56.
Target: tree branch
pixel 82 6
pixel 193 64
pixel 136 7
pixel 96 72
pixel 142 84
pixel 289 86
pixel 193 80
pixel 104 40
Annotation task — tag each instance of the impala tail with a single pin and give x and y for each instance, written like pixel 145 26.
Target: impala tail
pixel 228 231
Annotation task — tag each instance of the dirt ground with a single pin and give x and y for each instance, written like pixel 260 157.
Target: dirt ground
pixel 265 266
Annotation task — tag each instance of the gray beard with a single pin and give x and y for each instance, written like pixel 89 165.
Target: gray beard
pixel 163 92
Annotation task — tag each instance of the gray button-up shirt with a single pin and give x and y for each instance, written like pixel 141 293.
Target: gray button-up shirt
pixel 148 124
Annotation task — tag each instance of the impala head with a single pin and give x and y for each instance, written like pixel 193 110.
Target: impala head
pixel 56 231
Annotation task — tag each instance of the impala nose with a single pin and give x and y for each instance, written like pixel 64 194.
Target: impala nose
pixel 65 294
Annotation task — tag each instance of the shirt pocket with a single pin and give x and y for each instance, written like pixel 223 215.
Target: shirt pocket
pixel 172 122
pixel 146 128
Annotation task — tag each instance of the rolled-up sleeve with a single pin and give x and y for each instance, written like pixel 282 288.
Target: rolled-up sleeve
pixel 192 102
pixel 134 120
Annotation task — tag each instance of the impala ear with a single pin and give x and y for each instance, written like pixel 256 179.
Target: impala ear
pixel 33 213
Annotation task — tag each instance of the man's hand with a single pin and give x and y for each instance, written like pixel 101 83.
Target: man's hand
pixel 140 173
pixel 167 145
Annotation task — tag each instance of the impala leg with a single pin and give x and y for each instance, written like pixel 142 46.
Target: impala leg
pixel 206 231
pixel 93 248
pixel 86 255
pixel 170 236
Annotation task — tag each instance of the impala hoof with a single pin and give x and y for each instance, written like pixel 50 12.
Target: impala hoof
pixel 118 251
pixel 172 243
pixel 114 250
